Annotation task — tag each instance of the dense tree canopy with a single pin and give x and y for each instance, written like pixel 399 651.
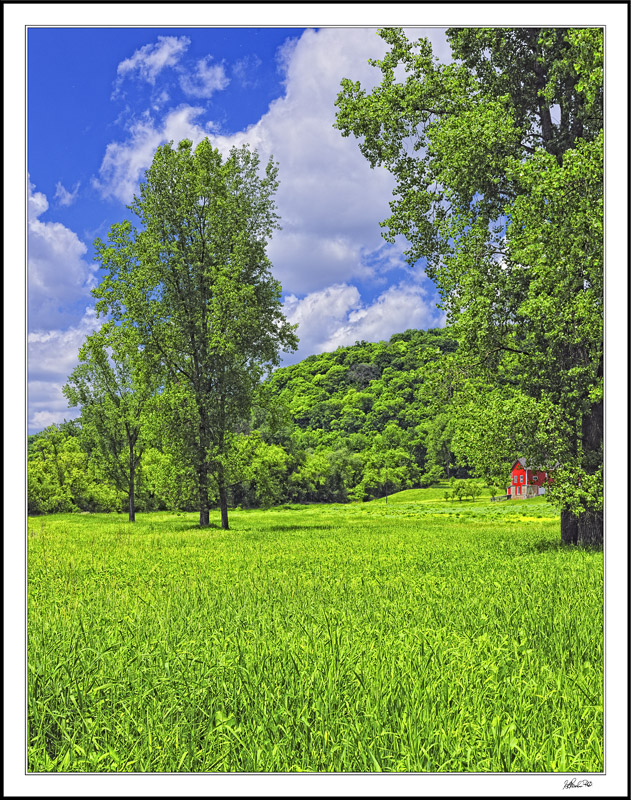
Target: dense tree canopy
pixel 195 282
pixel 356 425
pixel 61 475
pixel 347 425
pixel 498 162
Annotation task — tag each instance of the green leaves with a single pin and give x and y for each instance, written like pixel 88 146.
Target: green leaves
pixel 503 199
pixel 63 477
pixel 114 383
pixel 195 283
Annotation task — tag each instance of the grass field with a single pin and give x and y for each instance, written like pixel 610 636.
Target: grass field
pixel 409 636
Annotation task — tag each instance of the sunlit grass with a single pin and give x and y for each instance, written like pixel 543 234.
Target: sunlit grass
pixel 407 637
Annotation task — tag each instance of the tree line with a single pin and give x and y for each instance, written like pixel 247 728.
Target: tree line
pixel 347 425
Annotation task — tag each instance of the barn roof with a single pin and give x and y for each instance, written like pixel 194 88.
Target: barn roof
pixel 522 463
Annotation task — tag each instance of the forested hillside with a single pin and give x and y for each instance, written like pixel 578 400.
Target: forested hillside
pixel 356 424
pixel 347 425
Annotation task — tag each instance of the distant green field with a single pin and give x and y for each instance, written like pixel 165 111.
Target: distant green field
pixel 416 495
pixel 409 636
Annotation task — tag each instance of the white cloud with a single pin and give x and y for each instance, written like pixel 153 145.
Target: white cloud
pixel 52 355
pixel 159 100
pixel 37 203
pixel 397 309
pixel 125 162
pixel 65 197
pixel 58 274
pixel 205 80
pixel 335 317
pixel 148 61
pixel 330 201
pixel 319 314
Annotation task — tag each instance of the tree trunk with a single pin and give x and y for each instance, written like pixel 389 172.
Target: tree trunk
pixel 590 528
pixel 204 503
pixel 591 523
pixel 223 505
pixel 132 497
pixel 585 529
pixel 569 527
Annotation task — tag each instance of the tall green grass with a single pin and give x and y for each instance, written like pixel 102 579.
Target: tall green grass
pixel 407 637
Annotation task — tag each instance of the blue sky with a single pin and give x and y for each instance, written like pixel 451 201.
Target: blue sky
pixel 100 100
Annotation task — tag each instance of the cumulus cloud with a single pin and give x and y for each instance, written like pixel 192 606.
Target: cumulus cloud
pixel 59 276
pixel 125 162
pixel 37 203
pixel 319 314
pixel 397 309
pixel 65 197
pixel 206 79
pixel 148 61
pixel 335 317
pixel 330 201
pixel 52 355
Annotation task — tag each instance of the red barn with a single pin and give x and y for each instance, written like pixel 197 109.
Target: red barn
pixel 527 481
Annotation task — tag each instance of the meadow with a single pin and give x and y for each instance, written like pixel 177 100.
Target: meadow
pixel 412 636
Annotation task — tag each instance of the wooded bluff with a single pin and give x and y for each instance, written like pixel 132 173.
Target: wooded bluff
pixel 352 424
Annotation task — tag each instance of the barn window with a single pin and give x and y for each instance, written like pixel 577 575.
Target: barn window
pixel 521 478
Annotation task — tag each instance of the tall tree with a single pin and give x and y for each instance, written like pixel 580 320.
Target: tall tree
pixel 498 162
pixel 114 383
pixel 195 282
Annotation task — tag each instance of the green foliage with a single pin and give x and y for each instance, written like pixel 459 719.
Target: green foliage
pixel 461 489
pixel 503 199
pixel 196 284
pixel 258 471
pixel 62 477
pixel 360 426
pixel 348 425
pixel 408 637
pixel 114 384
pixel 169 483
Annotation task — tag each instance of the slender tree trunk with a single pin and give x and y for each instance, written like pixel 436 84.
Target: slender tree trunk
pixel 223 505
pixel 223 498
pixel 132 480
pixel 204 503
